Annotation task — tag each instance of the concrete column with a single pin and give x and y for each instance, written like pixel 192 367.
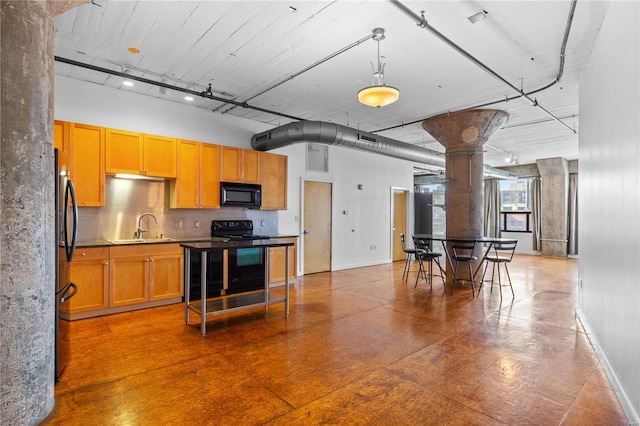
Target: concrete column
pixel 554 197
pixel 27 238
pixel 463 134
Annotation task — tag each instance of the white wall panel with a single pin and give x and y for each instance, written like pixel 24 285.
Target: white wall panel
pixel 609 200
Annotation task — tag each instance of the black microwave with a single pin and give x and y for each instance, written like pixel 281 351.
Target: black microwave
pixel 240 194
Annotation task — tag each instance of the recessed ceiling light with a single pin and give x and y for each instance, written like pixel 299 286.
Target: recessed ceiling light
pixel 133 50
pixel 127 81
pixel 480 16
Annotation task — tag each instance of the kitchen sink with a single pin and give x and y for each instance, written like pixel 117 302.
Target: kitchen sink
pixel 142 240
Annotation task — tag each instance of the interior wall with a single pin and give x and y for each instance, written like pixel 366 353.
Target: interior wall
pixel 609 270
pixel 366 224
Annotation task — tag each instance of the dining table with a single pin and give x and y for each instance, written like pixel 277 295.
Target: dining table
pixel 486 242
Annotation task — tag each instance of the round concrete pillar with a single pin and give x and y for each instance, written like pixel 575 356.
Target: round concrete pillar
pixel 27 237
pixel 463 134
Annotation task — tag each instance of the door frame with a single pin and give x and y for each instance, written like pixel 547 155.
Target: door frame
pixel 408 215
pixel 301 231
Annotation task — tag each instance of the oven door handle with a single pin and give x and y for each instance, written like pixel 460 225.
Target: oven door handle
pixel 65 292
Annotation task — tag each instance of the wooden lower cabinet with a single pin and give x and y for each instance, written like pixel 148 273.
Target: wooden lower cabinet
pixel 123 278
pixel 276 261
pixel 89 271
pixel 141 274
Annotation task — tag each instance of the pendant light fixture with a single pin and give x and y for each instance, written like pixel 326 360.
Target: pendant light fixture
pixel 378 94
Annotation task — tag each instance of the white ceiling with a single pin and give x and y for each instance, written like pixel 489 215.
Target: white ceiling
pixel 242 48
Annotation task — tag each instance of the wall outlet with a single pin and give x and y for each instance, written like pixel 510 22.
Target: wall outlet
pixel 197 224
pixel 177 223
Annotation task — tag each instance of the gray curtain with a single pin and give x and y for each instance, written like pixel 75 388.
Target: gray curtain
pixel 492 208
pixel 536 212
pixel 573 214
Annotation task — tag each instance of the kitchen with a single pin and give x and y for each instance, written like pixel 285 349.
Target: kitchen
pixel 144 115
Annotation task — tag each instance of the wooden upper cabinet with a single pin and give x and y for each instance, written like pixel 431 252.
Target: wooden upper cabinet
pixel 124 152
pixel 250 166
pixel 239 165
pixel 273 171
pixel 159 157
pixel 140 154
pixel 209 176
pixel 61 140
pixel 86 163
pixel 198 176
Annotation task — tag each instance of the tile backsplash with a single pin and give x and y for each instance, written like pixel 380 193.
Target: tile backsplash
pixel 126 200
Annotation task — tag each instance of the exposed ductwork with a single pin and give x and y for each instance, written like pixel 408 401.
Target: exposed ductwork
pixel 347 137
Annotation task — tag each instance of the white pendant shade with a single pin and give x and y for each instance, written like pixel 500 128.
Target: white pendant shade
pixel 378 96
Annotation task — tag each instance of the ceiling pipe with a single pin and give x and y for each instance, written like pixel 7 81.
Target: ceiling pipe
pixel 208 94
pixel 347 137
pixel 302 71
pixel 422 23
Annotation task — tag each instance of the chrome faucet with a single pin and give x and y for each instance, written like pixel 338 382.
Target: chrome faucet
pixel 138 233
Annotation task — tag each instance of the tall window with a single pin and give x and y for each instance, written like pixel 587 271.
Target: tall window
pixel 516 205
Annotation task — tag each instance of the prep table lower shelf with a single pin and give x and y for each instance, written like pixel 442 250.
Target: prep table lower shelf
pixel 235 302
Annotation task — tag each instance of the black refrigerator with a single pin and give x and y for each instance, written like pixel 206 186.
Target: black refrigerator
pixel 66 228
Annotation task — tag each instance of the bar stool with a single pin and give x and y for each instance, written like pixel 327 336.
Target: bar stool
pixel 462 251
pixel 424 253
pixel 410 254
pixel 499 253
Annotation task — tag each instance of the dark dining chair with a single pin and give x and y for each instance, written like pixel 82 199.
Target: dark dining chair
pixel 501 252
pixel 463 251
pixel 424 254
pixel 409 255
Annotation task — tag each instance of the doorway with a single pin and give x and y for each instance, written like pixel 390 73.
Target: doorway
pixel 316 236
pixel 398 222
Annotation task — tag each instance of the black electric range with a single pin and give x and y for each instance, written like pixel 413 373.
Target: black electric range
pixel 235 230
pixel 246 267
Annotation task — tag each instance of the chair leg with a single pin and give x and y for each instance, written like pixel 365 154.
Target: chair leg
pixel 499 281
pixel 444 281
pixel 455 277
pixel 407 266
pixel 486 264
pixel 473 287
pixel 420 269
pixel 430 276
pixel 513 295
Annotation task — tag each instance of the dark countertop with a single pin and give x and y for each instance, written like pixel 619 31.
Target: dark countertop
pixel 223 245
pixel 108 243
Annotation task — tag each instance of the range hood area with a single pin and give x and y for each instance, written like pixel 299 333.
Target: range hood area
pixel 347 137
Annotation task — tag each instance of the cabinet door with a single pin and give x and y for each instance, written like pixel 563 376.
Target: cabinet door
pixel 250 166
pixel 89 271
pixel 230 164
pixel 128 280
pixel 209 176
pixel 273 171
pixel 124 152
pixel 276 261
pixel 61 140
pixel 185 190
pixel 92 279
pixel 159 156
pixel 86 164
pixel 166 276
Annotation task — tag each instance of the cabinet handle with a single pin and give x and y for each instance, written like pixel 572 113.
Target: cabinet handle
pixel 84 254
pixel 106 263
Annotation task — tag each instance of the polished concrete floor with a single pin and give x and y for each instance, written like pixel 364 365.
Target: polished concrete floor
pixel 360 347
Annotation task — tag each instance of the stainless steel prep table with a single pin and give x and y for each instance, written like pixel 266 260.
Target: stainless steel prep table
pixel 236 302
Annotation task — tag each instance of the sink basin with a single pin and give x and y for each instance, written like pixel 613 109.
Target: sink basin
pixel 159 240
pixel 142 240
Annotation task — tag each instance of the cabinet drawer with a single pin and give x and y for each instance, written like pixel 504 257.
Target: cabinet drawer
pixel 91 253
pixel 143 249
